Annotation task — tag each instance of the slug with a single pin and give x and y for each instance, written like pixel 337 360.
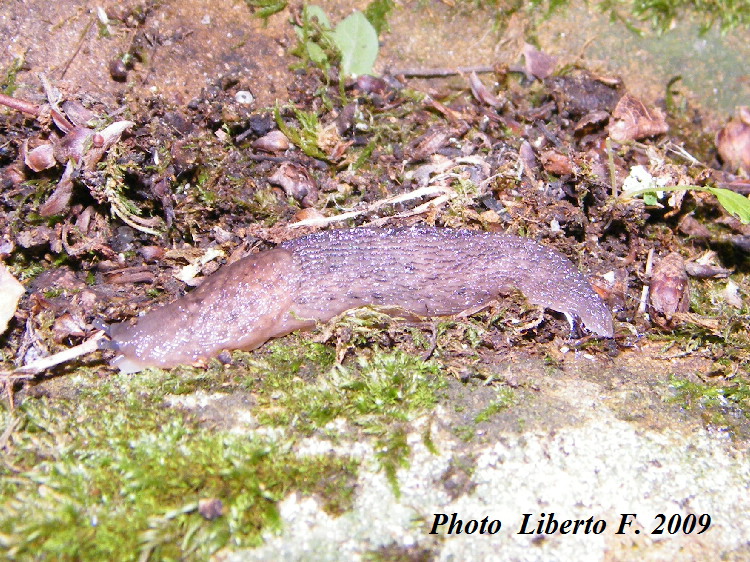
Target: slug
pixel 420 270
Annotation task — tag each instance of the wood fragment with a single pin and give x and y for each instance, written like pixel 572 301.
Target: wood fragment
pixel 20 105
pixel 45 363
pixel 439 72
pixel 441 193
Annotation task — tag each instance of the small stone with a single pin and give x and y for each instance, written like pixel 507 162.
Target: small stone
pixel 244 97
pixel 211 508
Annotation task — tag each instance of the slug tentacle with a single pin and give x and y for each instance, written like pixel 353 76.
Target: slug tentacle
pixel 425 271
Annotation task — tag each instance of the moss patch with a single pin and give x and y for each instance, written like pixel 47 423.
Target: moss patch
pixel 112 471
pixel 370 393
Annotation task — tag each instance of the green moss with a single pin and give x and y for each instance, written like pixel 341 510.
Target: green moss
pixel 52 293
pixel 111 473
pixel 8 82
pixel 392 451
pixel 299 386
pixel 505 399
pixel 713 401
pixel 264 9
pixel 306 136
pixel 303 389
pixel 465 432
pixel 377 13
pixel 663 14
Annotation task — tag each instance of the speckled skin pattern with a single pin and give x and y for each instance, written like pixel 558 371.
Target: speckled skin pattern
pixel 424 271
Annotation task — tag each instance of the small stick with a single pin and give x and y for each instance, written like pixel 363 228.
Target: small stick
pixel 427 191
pixel 78 48
pixel 5 437
pixel 437 72
pixel 644 293
pixel 23 106
pixel 611 164
pixel 41 365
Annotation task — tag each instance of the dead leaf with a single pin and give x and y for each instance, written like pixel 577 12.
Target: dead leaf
pixel 429 143
pixel 731 294
pixel 669 288
pixel 733 141
pixel 40 158
pixel 556 163
pixel 537 63
pixel 480 91
pixel 634 121
pixel 296 183
pixel 690 226
pixel 60 198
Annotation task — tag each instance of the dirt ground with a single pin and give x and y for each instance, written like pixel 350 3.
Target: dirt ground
pixel 531 145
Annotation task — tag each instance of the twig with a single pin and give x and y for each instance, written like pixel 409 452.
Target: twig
pixel 680 151
pixel 78 48
pixel 438 72
pixel 32 369
pixel 41 365
pixel 611 164
pixel 426 191
pixel 23 106
pixel 268 158
pixel 5 437
pixel 644 293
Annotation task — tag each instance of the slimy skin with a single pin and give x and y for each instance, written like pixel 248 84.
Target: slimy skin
pixel 423 271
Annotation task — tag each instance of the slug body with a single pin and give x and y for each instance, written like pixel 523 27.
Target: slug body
pixel 423 271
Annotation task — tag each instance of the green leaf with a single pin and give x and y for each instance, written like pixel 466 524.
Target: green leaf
pixel 734 203
pixel 650 198
pixel 316 12
pixel 357 41
pixel 316 53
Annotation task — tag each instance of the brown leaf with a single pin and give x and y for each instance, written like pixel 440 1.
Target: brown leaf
pixel 669 289
pixel 733 141
pixel 130 275
pixel 60 198
pixel 73 145
pixel 706 271
pixel 612 287
pixel 429 143
pixel 692 227
pixel 591 122
pixel 634 121
pixel 537 63
pixel 556 163
pixel 579 93
pixel 296 182
pixel 40 158
pixel 480 91
pixel 68 325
